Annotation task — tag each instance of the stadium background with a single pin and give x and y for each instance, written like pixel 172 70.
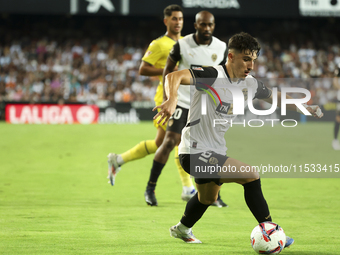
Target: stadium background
pixel 65 52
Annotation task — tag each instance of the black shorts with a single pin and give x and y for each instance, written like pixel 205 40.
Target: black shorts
pixel 197 165
pixel 178 120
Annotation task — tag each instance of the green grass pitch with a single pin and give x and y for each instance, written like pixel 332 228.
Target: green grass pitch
pixel 55 199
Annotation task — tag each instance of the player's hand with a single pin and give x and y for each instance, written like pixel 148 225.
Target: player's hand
pixel 315 111
pixel 166 110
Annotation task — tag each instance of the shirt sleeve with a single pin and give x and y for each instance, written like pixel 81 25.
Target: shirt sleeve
pixel 224 60
pixel 175 53
pixel 153 53
pixel 203 76
pixel 262 91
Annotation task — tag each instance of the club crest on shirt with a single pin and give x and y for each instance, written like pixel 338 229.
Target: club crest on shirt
pixel 214 57
pixel 213 161
pixel 148 53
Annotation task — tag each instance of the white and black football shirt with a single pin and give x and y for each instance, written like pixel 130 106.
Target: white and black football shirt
pixel 192 55
pixel 200 133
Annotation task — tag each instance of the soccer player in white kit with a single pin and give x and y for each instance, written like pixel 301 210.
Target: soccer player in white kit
pixel 203 145
pixel 192 51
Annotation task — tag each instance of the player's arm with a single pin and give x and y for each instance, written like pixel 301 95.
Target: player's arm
pixel 170 66
pixel 149 70
pixel 313 109
pixel 151 56
pixel 171 85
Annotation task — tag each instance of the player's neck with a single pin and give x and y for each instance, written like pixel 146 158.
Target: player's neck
pixel 203 42
pixel 174 37
pixel 231 73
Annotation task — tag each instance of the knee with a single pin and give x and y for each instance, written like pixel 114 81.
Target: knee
pixel 250 178
pixel 169 143
pixel 208 200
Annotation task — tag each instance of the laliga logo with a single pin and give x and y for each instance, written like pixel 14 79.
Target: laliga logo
pixel 238 101
pixel 85 115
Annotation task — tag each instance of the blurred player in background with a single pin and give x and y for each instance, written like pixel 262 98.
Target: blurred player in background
pixel 152 64
pixel 203 144
pixel 336 85
pixel 193 51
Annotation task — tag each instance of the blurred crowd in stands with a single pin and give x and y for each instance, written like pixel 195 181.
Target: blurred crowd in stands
pixel 62 59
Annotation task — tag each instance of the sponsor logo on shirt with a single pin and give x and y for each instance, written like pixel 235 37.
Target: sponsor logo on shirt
pixel 223 108
pixel 197 68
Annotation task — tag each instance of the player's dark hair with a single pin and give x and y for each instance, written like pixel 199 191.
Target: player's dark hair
pixel 172 8
pixel 243 42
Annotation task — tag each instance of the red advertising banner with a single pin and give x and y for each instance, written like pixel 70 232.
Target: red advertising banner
pixel 51 114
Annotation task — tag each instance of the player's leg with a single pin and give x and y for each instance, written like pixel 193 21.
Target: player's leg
pixel 188 189
pixel 219 202
pixel 223 169
pixel 250 180
pixel 195 208
pixel 208 190
pixel 170 140
pixel 335 142
pixel 252 191
pixel 142 149
pixel 176 124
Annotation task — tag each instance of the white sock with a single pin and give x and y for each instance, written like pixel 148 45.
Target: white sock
pixel 183 228
pixel 188 190
pixel 120 160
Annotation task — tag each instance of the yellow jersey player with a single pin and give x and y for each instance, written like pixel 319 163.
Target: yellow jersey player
pixel 153 64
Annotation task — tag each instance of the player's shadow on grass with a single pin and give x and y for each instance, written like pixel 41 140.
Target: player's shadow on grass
pixel 288 251
pixel 291 252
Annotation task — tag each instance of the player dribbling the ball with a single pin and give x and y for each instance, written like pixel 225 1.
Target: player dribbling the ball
pixel 203 144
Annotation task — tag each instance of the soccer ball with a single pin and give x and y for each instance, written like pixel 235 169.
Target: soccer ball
pixel 268 238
